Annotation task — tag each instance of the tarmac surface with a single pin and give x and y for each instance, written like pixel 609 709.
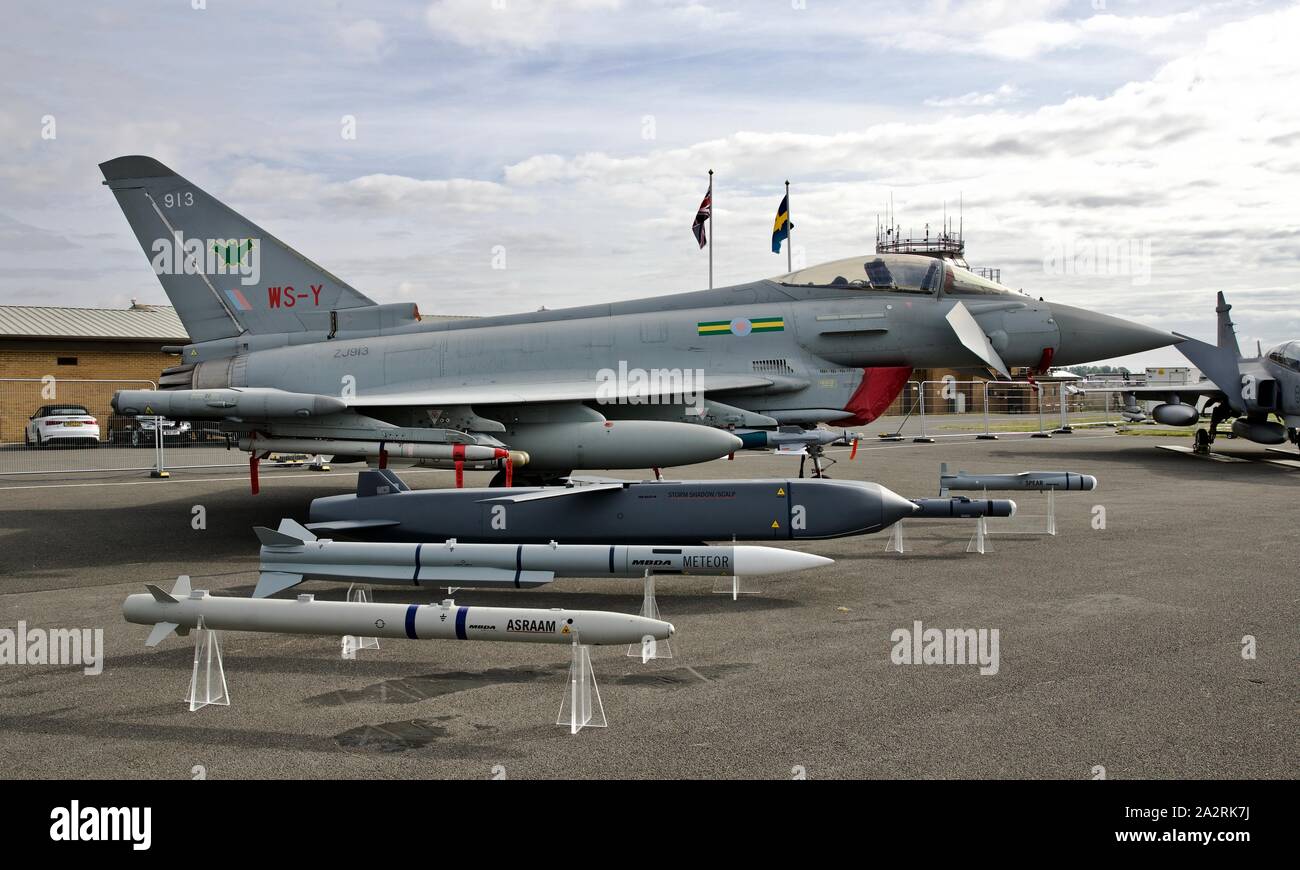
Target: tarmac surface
pixel 1119 648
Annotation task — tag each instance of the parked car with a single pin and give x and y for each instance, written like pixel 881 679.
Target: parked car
pixel 143 431
pixel 61 424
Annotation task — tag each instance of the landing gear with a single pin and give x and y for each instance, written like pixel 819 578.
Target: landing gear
pixel 817 454
pixel 1201 442
pixel 1205 437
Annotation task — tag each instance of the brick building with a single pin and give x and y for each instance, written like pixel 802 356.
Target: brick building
pixel 88 352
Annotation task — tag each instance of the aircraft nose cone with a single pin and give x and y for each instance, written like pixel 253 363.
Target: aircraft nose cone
pixel 1087 336
pixel 893 507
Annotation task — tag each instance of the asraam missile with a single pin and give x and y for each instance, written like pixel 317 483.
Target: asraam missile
pixel 182 608
pixel 616 512
pixel 1060 481
pixel 962 507
pixel 292 554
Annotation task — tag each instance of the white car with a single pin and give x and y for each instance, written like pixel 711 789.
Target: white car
pixel 65 423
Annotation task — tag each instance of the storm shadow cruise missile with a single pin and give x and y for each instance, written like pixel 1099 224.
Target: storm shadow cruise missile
pixel 292 554
pixel 1061 481
pixel 613 512
pixel 182 609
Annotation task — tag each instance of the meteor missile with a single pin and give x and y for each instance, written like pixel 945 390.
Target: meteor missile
pixel 961 507
pixel 654 512
pixel 1025 480
pixel 292 554
pixel 182 609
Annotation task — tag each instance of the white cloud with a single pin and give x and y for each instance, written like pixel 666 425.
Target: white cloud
pixel 1006 93
pixel 363 39
pixel 517 24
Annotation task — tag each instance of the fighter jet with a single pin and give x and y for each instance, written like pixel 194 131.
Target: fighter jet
pixel 1250 389
pixel 298 355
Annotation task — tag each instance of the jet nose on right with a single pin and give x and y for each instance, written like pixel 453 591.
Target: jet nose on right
pixel 1087 336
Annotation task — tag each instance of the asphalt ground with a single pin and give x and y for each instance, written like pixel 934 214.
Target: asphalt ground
pixel 1119 648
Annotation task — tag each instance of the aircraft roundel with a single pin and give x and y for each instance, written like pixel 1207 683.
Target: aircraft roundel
pixel 741 326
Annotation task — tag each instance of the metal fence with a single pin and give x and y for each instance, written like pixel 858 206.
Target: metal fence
pixel 111 442
pixel 928 410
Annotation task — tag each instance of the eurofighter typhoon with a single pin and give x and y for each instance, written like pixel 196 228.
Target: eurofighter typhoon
pixel 289 357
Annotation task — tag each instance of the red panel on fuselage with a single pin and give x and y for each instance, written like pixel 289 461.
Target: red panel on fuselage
pixel 879 387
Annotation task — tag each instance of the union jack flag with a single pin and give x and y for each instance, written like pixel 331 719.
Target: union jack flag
pixel 704 213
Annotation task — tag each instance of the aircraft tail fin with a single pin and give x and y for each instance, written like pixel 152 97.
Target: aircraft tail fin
pixel 1221 363
pixel 1227 330
pixel 225 275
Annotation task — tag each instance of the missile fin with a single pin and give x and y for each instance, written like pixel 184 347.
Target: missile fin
pixel 271 582
pixel 272 538
pixel 158 595
pixel 160 631
pixel 295 528
pixel 181 589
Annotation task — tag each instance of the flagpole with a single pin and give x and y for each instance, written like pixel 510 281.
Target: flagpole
pixel 789 231
pixel 712 232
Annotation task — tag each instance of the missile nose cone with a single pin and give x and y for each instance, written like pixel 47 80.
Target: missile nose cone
pixel 1087 336
pixel 757 561
pixel 893 507
pixel 672 629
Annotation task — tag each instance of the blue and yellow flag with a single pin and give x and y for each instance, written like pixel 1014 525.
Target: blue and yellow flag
pixel 781 229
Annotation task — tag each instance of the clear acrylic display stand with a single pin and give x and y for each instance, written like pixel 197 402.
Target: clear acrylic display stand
pixel 360 594
pixel 208 681
pixel 731 585
pixel 897 543
pixel 979 541
pixel 649 648
pixel 581 707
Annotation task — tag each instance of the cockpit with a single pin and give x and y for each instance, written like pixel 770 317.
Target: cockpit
pixel 1286 355
pixel 895 273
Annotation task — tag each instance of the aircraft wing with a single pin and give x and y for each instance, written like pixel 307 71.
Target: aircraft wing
pixel 528 392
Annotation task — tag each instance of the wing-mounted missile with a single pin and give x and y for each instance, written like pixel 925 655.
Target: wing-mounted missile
pixel 239 403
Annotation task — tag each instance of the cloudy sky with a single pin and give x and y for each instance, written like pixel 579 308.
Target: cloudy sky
pixel 574 136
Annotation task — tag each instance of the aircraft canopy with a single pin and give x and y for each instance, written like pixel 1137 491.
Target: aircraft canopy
pixel 1287 355
pixel 898 273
